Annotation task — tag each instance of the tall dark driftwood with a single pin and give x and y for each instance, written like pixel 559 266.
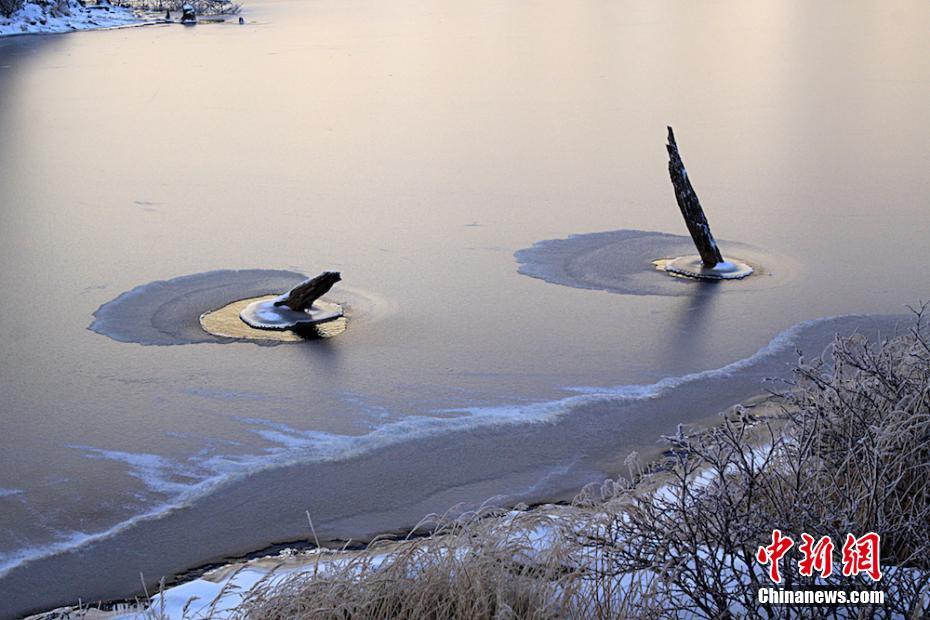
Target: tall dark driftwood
pixel 691 207
pixel 302 296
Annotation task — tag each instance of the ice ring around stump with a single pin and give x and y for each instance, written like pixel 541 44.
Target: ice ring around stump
pixel 297 315
pixel 694 267
pixel 226 322
pixel 267 314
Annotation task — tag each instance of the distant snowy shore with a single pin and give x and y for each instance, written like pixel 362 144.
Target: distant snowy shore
pixel 49 16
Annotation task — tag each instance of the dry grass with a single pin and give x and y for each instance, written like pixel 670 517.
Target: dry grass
pixel 477 566
pixel 480 565
pixel 851 453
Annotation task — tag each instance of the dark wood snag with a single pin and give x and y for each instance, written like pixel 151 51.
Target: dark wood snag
pixel 302 296
pixel 691 207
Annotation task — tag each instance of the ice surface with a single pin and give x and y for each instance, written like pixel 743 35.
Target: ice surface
pixel 182 482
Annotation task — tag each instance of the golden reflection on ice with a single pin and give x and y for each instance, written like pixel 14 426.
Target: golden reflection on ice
pixel 692 268
pixel 225 322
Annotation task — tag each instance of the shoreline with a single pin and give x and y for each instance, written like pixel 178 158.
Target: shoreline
pixel 760 444
pixel 299 554
pixel 587 446
pixel 39 18
pixel 29 19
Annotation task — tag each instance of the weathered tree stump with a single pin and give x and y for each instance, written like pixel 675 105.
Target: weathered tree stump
pixel 691 207
pixel 302 296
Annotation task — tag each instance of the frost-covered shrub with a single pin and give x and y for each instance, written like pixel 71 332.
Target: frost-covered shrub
pixel 8 7
pixel 850 454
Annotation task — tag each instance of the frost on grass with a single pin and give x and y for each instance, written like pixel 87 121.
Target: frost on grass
pixel 847 451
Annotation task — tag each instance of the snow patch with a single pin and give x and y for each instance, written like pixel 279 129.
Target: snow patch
pixel 50 16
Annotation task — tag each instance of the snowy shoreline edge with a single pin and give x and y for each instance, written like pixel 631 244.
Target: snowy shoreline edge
pixel 57 17
pixel 63 16
pixel 219 587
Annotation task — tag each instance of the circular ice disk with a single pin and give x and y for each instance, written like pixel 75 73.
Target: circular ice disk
pixel 624 262
pixel 264 314
pixel 694 267
pixel 226 322
pixel 167 312
pixel 176 311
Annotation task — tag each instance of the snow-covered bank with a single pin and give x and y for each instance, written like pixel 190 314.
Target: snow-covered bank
pixel 50 16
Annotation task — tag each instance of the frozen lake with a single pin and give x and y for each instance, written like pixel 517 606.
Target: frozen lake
pixel 415 147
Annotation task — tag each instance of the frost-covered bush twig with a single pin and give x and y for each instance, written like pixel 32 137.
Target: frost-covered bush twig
pixel 851 455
